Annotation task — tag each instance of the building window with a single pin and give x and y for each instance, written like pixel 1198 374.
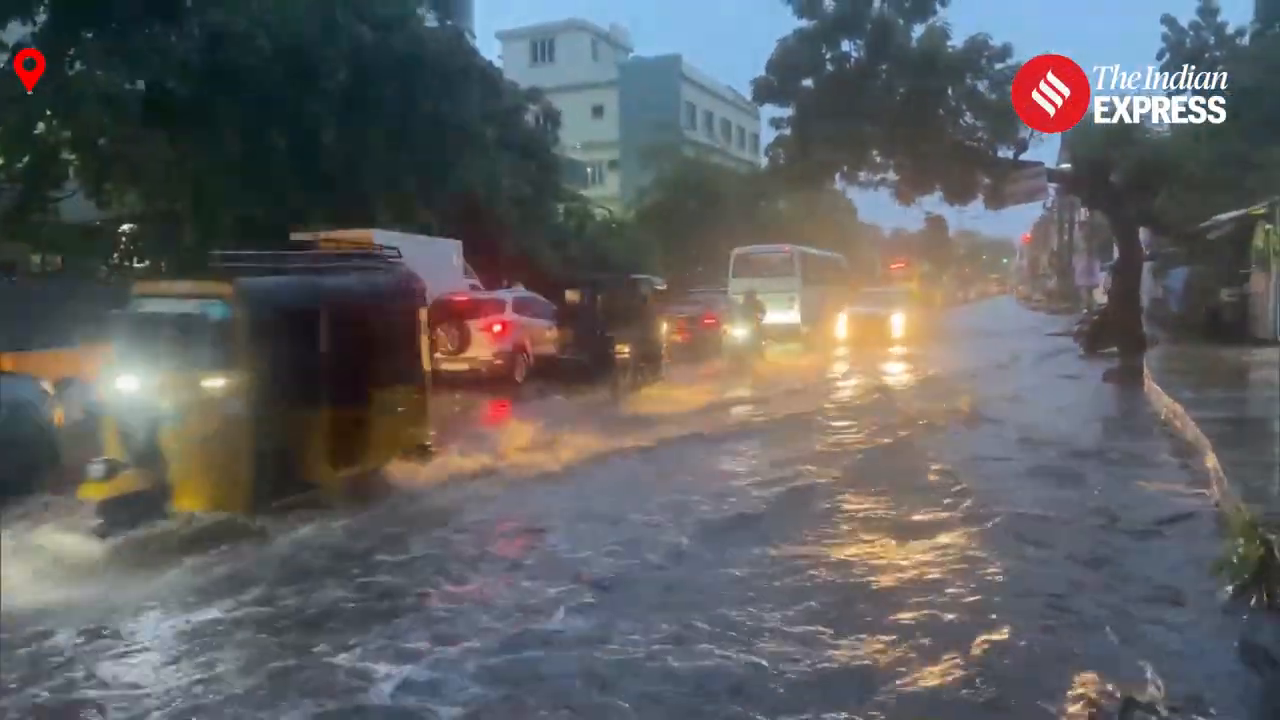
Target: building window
pixel 542 51
pixel 613 164
pixel 690 116
pixel 726 131
pixel 709 124
pixel 595 50
pixel 595 173
pixel 741 138
pixel 597 112
pixel 755 143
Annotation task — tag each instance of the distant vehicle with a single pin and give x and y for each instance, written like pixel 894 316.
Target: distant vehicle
pixel 437 260
pixel 883 313
pixel 802 288
pixel 611 326
pixel 696 322
pixel 502 333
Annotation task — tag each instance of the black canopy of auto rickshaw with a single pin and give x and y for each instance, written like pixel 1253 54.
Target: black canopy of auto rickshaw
pixel 332 334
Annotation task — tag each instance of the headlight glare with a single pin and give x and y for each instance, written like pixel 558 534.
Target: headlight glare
pixel 127 383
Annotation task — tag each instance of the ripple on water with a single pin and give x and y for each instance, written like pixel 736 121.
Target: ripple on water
pixel 803 557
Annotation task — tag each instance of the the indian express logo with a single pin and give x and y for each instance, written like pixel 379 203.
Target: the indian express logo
pixel 1051 94
pixel 1184 97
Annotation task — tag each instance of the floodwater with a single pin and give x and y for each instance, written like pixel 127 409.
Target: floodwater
pixel 972 528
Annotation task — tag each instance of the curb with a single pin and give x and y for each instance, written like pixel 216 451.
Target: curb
pixel 1175 416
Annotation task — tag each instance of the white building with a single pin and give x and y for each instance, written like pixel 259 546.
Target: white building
pixel 620 112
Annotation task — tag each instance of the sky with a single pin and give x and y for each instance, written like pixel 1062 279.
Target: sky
pixel 722 39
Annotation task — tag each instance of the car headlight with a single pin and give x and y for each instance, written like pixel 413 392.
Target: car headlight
pixel 897 325
pixel 842 326
pixel 739 332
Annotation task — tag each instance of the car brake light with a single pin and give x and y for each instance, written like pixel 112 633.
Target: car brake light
pixel 710 319
pixel 897 266
pixel 498 328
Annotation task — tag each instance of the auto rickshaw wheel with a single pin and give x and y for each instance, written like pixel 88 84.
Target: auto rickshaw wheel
pixel 622 379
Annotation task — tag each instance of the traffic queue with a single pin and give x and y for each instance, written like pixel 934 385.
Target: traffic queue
pixel 297 375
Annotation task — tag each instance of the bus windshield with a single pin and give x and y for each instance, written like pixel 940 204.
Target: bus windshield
pixel 779 264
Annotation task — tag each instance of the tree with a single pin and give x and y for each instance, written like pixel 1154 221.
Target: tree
pixel 694 212
pixel 1207 41
pixel 233 122
pixel 1222 166
pixel 879 95
pixel 935 243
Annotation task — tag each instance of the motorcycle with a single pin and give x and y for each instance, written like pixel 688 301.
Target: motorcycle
pixel 743 344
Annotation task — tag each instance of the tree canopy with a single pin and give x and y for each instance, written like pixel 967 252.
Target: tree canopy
pixel 880 94
pixel 233 122
pixel 695 212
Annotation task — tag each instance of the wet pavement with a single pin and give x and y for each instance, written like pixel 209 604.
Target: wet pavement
pixel 1233 394
pixel 976 528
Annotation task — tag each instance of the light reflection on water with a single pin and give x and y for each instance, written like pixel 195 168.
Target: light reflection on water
pixel 813 561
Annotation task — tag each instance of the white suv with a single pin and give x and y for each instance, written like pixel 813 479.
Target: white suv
pixel 501 333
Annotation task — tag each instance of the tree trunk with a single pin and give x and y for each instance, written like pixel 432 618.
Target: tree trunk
pixel 1124 299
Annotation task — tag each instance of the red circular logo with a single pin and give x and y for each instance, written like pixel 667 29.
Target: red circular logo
pixel 1051 93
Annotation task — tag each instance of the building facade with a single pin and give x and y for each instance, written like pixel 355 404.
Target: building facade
pixel 621 114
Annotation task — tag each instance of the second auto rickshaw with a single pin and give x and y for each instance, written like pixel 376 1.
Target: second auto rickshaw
pixel 290 374
pixel 613 326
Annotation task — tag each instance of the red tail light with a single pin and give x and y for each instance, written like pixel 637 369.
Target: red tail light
pixel 498 327
pixel 710 320
pixel 897 266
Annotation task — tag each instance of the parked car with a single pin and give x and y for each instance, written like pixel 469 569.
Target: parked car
pixel 500 333
pixel 30 416
pixel 695 322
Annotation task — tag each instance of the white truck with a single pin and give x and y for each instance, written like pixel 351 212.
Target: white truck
pixel 437 260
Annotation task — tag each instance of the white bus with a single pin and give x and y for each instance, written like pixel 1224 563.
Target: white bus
pixel 801 287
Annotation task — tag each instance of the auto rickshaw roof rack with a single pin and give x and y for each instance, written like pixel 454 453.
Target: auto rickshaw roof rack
pixel 330 258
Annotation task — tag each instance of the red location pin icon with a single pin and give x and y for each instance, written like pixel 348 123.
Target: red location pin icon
pixel 29 76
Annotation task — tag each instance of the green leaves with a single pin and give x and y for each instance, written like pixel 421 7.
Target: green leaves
pixel 880 94
pixel 230 123
pixel 1251 561
pixel 695 212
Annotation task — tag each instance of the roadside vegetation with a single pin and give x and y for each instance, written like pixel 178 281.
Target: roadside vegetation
pixel 1250 563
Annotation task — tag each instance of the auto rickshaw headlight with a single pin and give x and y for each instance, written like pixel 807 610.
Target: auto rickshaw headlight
pixel 213 382
pixel 897 325
pixel 739 332
pixel 127 383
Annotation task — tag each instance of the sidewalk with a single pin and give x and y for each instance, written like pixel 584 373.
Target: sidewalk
pixel 1233 395
pixel 1107 539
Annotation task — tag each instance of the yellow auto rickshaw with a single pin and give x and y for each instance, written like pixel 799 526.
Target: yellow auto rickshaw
pixel 289 374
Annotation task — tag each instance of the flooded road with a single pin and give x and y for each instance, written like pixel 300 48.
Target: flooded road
pixel 971 529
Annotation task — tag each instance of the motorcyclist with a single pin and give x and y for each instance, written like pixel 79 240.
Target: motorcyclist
pixel 752 309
